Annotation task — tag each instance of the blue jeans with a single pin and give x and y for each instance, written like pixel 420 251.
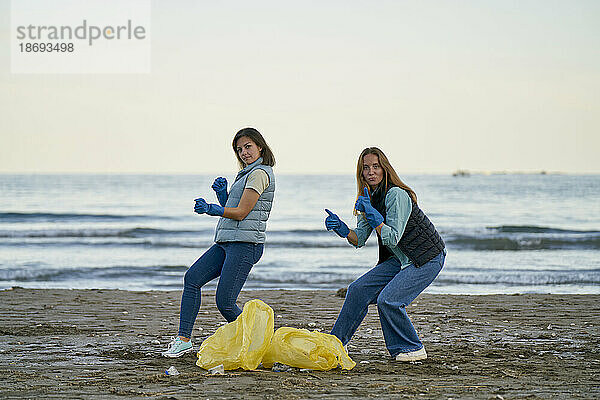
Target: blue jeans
pixel 392 289
pixel 233 262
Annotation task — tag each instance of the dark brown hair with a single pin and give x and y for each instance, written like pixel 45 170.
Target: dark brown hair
pixel 257 138
pixel 390 177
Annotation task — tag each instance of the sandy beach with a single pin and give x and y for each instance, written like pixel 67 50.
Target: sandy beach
pixel 103 344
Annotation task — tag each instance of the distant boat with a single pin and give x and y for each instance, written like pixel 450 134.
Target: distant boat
pixel 461 172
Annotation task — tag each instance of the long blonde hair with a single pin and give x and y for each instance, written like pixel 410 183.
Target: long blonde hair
pixel 390 177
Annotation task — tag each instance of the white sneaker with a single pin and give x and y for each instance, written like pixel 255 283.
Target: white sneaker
pixel 412 355
pixel 178 347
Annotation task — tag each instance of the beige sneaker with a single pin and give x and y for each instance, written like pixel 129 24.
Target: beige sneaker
pixel 412 355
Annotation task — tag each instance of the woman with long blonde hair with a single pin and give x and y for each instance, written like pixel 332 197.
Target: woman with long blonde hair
pixel 411 255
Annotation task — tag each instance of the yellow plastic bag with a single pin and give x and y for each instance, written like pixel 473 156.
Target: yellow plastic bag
pixel 301 348
pixel 241 343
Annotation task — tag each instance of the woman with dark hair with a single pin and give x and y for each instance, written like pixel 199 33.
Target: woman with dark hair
pixel 411 255
pixel 239 237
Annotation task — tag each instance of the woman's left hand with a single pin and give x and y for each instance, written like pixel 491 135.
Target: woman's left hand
pixel 220 188
pixel 363 204
pixel 363 201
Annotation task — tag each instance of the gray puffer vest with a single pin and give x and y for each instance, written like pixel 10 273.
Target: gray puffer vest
pixel 252 228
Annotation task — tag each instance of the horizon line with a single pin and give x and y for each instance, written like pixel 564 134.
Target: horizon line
pixel 457 173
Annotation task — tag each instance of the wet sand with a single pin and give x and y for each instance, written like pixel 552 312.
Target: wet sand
pixel 102 344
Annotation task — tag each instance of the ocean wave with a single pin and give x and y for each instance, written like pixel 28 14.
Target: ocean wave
pixel 69 274
pixel 17 217
pixel 141 232
pixel 190 243
pixel 537 229
pixel 309 232
pixel 171 275
pixel 301 278
pixel 535 279
pixel 506 237
pixel 520 279
pixel 203 241
pixel 308 244
pixel 99 233
pixel 523 243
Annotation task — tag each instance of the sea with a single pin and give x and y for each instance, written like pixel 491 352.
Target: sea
pixel 505 233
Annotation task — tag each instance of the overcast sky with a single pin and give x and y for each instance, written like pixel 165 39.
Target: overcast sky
pixel 437 85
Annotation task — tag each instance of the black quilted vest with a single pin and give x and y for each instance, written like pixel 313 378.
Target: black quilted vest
pixel 420 240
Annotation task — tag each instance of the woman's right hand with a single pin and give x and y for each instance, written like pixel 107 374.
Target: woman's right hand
pixel 333 222
pixel 202 207
pixel 220 188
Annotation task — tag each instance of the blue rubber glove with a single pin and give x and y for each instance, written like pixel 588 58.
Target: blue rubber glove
pixel 203 207
pixel 220 188
pixel 333 222
pixel 363 203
